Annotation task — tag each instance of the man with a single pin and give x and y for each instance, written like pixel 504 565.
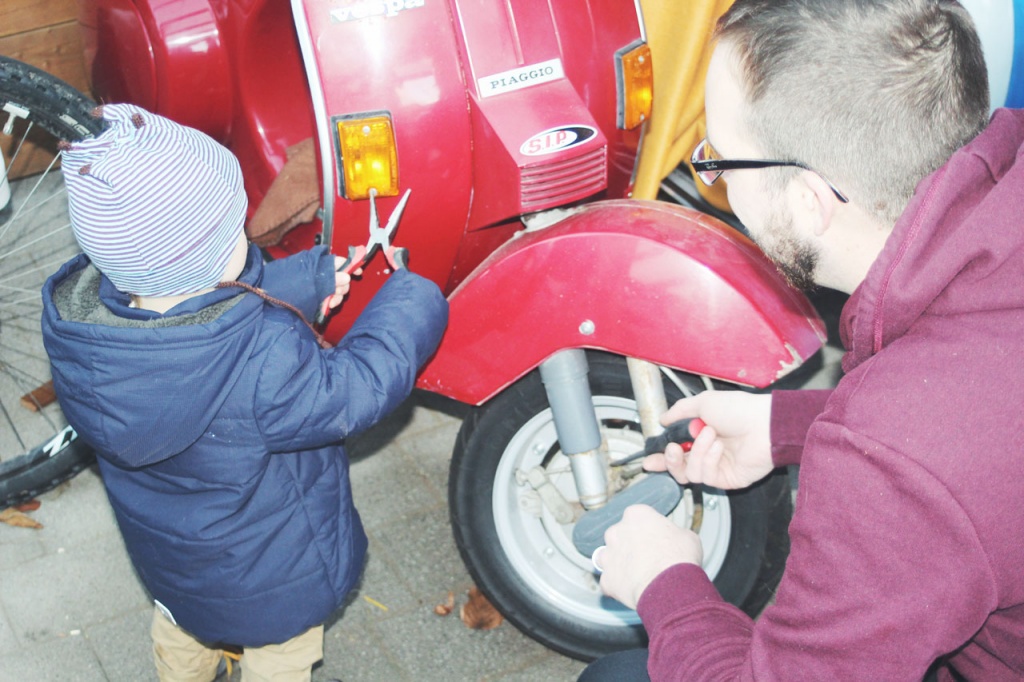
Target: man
pixel 908 536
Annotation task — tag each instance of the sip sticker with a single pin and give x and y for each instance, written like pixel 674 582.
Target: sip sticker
pixel 556 139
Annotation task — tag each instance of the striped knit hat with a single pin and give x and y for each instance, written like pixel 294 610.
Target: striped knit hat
pixel 158 207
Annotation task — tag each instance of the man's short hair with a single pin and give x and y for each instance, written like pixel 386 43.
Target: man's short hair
pixel 873 94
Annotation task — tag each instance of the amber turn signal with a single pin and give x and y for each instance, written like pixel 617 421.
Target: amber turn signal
pixel 635 75
pixel 369 157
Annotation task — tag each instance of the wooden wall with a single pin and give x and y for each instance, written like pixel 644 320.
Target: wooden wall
pixel 45 34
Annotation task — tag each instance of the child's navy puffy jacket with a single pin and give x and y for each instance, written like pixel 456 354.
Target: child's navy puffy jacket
pixel 219 431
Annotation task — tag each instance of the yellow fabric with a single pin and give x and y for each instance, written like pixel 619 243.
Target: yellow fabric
pixel 678 33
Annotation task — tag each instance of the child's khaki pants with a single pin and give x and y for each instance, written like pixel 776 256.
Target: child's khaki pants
pixel 181 658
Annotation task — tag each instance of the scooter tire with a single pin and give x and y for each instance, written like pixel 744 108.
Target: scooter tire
pixel 757 543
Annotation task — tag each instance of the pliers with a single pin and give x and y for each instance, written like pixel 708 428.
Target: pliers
pixel 380 239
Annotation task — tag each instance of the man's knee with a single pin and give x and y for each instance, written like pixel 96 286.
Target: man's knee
pixel 623 666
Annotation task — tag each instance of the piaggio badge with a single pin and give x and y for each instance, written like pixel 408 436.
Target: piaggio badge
pixel 556 139
pixel 522 77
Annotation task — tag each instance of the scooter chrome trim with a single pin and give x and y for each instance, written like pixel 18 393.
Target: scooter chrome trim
pixel 323 127
pixel 640 20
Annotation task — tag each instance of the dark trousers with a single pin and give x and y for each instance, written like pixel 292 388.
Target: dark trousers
pixel 631 666
pixel 623 666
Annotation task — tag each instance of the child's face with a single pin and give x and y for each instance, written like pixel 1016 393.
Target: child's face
pixel 237 262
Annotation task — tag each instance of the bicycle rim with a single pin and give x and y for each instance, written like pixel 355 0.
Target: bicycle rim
pixel 37 449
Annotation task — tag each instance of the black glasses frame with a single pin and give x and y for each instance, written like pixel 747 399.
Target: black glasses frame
pixel 715 167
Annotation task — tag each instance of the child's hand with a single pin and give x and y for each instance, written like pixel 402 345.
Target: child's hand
pixel 342 282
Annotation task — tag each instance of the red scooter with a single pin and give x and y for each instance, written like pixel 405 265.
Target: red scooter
pixel 577 312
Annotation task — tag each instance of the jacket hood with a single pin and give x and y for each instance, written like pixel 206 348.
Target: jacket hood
pixel 124 376
pixel 955 250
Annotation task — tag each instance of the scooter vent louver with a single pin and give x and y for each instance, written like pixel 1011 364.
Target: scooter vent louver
pixel 563 182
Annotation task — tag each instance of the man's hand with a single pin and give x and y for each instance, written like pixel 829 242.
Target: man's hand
pixel 733 450
pixel 639 548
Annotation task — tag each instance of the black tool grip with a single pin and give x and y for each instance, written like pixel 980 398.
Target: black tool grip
pixel 676 432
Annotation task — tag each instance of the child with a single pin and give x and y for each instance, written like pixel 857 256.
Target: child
pixel 217 418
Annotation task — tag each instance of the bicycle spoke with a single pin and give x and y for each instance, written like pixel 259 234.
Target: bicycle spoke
pixel 37 452
pixel 25 382
pixel 36 358
pixel 21 209
pixel 14 429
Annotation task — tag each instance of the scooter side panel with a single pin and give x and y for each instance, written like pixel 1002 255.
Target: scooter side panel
pixel 403 58
pixel 272 110
pixel 542 84
pixel 590 31
pixel 168 56
pixel 118 70
pixel 641 279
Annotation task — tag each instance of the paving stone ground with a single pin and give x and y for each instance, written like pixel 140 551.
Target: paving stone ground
pixel 71 607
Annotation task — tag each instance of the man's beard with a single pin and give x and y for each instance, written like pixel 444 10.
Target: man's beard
pixel 797 260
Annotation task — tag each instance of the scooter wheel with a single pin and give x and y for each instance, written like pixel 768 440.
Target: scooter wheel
pixel 524 559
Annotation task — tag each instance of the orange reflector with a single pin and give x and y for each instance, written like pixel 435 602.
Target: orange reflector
pixel 369 158
pixel 636 85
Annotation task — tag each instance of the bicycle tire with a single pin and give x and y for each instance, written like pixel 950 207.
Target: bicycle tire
pixel 65 112
pixel 31 97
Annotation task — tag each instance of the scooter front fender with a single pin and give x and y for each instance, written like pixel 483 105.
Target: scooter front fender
pixel 641 279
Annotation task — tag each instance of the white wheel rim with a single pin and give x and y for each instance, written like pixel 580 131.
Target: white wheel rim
pixel 541 550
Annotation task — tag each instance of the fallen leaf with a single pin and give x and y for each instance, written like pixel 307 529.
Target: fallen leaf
pixel 40 397
pixel 447 607
pixel 13 517
pixel 478 613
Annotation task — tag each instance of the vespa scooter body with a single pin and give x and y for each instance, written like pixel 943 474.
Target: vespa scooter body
pixel 499 109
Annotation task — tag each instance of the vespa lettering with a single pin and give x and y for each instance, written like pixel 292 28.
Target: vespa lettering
pixel 364 9
pixel 556 139
pixel 524 77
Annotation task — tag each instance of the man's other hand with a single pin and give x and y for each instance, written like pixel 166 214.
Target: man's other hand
pixel 639 548
pixel 732 451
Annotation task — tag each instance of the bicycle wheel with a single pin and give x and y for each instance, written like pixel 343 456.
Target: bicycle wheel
pixel 38 450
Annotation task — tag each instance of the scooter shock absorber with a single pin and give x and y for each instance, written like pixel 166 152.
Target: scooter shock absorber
pixel 565 380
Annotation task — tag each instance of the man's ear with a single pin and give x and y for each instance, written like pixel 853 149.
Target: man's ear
pixel 817 200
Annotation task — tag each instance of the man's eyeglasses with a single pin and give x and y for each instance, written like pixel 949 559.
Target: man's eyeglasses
pixel 710 166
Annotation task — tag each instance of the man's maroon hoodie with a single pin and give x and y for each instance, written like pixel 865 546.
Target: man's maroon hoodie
pixel 908 536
